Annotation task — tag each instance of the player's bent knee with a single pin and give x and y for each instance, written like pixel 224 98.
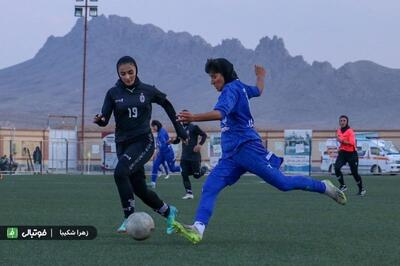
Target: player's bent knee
pixel 141 192
pixel 185 173
pixel 121 170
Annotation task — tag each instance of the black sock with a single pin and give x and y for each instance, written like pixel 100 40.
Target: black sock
pixel 129 208
pixel 164 210
pixel 341 180
pixel 360 186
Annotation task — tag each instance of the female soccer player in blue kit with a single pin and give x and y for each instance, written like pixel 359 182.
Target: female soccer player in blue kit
pixel 165 153
pixel 242 148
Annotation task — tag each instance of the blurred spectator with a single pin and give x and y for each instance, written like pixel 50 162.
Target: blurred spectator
pixel 4 163
pixel 8 165
pixel 37 160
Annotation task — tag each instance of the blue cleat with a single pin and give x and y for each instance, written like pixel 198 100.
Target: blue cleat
pixel 173 212
pixel 122 228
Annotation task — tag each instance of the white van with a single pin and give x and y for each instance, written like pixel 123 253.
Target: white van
pixel 375 156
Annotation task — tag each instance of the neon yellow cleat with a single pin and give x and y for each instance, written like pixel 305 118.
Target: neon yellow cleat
pixel 187 231
pixel 335 193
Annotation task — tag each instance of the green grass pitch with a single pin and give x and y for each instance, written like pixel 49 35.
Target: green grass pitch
pixel 253 224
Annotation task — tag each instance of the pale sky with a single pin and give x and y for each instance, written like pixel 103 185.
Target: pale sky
pixel 337 31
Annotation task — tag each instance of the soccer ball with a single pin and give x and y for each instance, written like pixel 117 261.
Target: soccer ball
pixel 139 225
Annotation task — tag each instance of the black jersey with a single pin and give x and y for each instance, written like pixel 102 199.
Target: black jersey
pixel 131 108
pixel 193 132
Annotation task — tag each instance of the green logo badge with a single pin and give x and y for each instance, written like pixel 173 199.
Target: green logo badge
pixel 12 232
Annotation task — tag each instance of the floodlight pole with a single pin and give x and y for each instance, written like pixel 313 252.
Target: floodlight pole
pixel 84 88
pixel 78 12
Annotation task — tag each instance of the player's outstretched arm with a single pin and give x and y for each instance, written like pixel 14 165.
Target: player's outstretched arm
pixel 170 110
pixel 260 77
pixel 189 117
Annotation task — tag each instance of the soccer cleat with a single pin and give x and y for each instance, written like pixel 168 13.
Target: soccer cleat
pixel 152 185
pixel 343 188
pixel 122 228
pixel 173 212
pixel 188 231
pixel 188 196
pixel 362 192
pixel 203 170
pixel 334 193
pixel 166 177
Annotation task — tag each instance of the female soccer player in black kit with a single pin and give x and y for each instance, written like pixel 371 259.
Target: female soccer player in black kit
pixel 131 102
pixel 191 157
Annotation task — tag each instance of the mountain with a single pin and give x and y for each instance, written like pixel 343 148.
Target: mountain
pixel 297 94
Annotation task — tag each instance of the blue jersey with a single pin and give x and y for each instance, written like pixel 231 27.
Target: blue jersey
pixel 237 124
pixel 162 141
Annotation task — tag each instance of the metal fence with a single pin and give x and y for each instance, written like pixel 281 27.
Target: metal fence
pixel 56 156
pixel 61 156
pixel 98 156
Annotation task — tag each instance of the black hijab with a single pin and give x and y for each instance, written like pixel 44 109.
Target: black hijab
pixel 222 66
pixel 128 60
pixel 343 129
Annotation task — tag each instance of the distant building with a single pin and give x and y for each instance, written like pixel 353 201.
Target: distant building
pixel 63 151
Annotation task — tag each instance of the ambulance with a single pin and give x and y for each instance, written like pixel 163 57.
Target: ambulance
pixel 376 156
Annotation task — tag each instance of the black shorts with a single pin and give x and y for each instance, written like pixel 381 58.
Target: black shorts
pixel 137 152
